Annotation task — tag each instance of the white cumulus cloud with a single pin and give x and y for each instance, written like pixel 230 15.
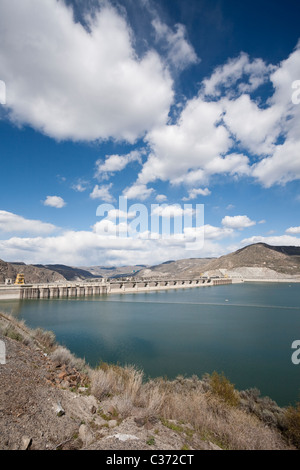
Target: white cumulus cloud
pixel 237 222
pixel 10 223
pixel 78 83
pixel 55 201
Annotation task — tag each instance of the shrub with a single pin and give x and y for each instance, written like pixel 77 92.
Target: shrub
pixel 12 333
pixel 62 356
pixel 110 380
pixel 46 338
pixel 224 389
pixel 293 424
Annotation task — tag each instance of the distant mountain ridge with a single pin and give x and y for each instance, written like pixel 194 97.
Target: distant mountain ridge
pixel 257 261
pixel 68 272
pixel 185 268
pixel 32 273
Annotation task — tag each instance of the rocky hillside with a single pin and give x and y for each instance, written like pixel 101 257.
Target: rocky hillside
pixel 113 271
pixel 259 261
pixel 181 269
pixel 32 274
pixel 68 272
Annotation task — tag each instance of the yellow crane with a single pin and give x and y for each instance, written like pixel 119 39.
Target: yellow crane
pixel 20 280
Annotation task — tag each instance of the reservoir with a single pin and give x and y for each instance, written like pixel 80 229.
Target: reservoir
pixel 244 330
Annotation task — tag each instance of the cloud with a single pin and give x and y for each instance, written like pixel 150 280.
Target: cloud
pixel 55 201
pixel 225 131
pixel 117 213
pixel 79 187
pixel 194 193
pixel 195 143
pixel 79 83
pixel 238 75
pixel 102 193
pixel 281 240
pixel 283 163
pixel 237 222
pixel 255 128
pixel 180 52
pixel 161 198
pixel 293 230
pixel 85 248
pixel 116 163
pixel 10 223
pixel 138 191
pixel 217 233
pixel 173 210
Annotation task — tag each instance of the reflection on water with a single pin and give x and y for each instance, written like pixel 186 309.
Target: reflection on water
pixel 245 330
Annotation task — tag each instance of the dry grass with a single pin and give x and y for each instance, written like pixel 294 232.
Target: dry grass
pixel 189 401
pixel 293 424
pixel 46 338
pixel 229 427
pixel 115 380
pixel 62 356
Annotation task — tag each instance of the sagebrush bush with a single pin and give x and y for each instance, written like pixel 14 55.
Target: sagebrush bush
pixel 264 408
pixel 110 380
pixel 224 389
pixel 46 338
pixel 62 356
pixel 292 417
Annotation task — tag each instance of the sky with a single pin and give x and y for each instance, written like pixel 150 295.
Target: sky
pixel 113 112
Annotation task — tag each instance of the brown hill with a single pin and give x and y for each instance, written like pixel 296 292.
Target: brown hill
pixel 254 261
pixel 32 274
pixel 261 258
pixel 68 272
pixel 181 269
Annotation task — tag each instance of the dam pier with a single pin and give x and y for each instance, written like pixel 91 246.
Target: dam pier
pixel 104 287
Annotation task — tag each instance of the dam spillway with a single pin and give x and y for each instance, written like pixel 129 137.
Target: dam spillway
pixel 86 289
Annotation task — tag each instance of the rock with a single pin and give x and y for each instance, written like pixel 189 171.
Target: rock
pixel 93 410
pixel 64 384
pixel 124 437
pixel 85 434
pixel 59 410
pixel 140 422
pixel 25 443
pixel 113 423
pixel 62 375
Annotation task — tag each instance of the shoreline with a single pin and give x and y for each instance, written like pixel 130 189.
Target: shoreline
pixel 268 280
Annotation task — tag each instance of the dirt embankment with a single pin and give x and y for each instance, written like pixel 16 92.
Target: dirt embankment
pixel 50 400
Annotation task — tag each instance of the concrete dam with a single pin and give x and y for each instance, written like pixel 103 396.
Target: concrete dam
pixel 85 289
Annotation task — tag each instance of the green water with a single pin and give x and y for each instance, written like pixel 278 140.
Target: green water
pixel 245 331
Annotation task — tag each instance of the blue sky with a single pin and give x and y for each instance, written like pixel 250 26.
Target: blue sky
pixel 162 102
